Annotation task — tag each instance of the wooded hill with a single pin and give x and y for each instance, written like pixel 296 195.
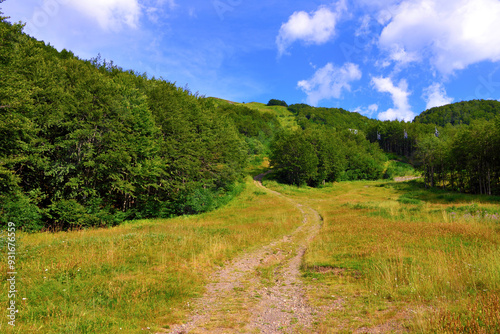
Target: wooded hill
pixel 456 146
pixel 460 113
pixel 85 143
pixel 335 118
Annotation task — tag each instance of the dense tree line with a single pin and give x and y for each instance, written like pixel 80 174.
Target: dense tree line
pixel 256 128
pixel 85 143
pixel 275 102
pixel 319 154
pixel 460 113
pixel 464 158
pixel 461 157
pixel 335 118
pixel 399 137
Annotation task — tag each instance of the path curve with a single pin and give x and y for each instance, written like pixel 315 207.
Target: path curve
pixel 238 301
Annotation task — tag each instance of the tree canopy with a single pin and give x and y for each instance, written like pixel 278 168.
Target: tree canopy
pixel 85 143
pixel 460 113
pixel 336 118
pixel 275 102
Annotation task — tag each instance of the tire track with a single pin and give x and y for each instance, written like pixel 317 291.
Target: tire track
pixel 238 301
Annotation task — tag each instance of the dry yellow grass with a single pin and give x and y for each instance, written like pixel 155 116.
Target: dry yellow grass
pixel 394 257
pixel 390 257
pixel 138 275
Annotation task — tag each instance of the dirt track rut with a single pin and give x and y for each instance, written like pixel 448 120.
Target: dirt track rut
pixel 238 301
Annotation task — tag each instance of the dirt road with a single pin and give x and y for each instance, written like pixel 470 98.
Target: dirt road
pixel 260 291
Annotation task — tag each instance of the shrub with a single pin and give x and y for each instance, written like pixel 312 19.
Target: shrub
pixel 274 102
pixel 21 210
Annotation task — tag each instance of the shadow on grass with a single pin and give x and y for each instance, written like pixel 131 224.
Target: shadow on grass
pixel 414 192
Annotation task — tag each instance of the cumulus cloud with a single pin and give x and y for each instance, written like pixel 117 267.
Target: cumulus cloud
pixel 435 96
pixel 329 82
pixel 110 14
pixel 314 28
pixel 453 34
pixel 399 94
pixel 401 56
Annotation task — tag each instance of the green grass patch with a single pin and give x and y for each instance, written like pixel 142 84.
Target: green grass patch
pixel 285 117
pixel 396 168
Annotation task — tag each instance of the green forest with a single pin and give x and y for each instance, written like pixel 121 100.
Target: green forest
pixel 460 113
pixel 85 143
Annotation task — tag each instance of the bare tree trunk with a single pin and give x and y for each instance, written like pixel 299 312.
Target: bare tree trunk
pixel 480 179
pixel 489 182
pixel 432 176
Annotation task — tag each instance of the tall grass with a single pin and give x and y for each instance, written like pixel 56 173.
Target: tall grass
pixel 398 252
pixel 138 275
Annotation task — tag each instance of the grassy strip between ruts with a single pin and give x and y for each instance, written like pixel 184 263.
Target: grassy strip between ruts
pixel 140 275
pixel 395 258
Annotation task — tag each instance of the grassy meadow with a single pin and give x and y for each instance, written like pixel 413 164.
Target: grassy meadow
pixel 140 275
pixel 391 257
pixel 285 117
pixel 396 257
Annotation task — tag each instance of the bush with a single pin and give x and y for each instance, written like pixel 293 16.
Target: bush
pixel 255 147
pixel 69 214
pixel 205 199
pixel 21 210
pixel 294 159
pixel 274 102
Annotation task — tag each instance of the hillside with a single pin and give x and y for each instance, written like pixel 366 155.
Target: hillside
pixel 86 143
pixel 335 118
pixel 460 113
pixel 302 115
pixel 130 205
pixel 286 118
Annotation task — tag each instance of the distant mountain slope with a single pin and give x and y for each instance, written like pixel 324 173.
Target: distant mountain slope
pixel 303 116
pixel 337 118
pixel 461 112
pixel 286 118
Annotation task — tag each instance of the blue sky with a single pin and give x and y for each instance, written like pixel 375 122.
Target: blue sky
pixel 386 59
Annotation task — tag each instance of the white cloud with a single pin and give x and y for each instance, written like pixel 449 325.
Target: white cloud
pixel 115 14
pixel 155 9
pixel 329 82
pixel 315 28
pixel 399 94
pixel 373 108
pixel 453 34
pixel 369 112
pixel 401 56
pixel 110 14
pixel 435 96
pixel 364 26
